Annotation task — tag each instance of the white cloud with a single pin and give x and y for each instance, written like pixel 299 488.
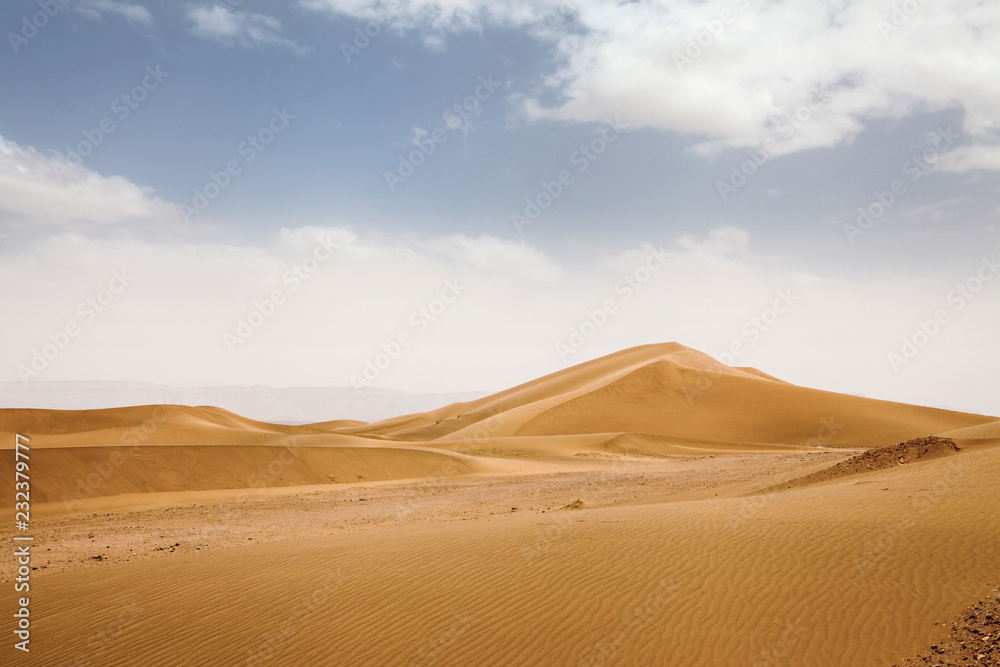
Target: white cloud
pixel 970 158
pixel 241 28
pixel 948 209
pixel 433 17
pixel 734 73
pixel 134 14
pixel 168 325
pixel 726 240
pixel 488 253
pixel 516 304
pixel 41 189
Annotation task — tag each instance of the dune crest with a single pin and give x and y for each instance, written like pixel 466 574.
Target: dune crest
pixel 656 400
pixel 674 391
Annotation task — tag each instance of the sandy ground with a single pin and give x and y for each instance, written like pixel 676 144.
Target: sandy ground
pixel 648 508
pixel 866 570
pixel 87 540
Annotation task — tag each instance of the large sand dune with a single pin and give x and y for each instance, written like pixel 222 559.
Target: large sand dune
pixel 652 507
pixel 988 431
pixel 671 390
pixel 655 400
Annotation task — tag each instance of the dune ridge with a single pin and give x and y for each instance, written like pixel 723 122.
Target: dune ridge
pixel 671 390
pixel 987 431
pixel 650 401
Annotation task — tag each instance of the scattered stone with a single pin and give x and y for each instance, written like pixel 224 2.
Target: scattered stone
pixel 974 637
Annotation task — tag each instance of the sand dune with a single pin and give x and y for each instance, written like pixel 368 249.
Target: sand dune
pixel 337 424
pixel 670 390
pixel 77 421
pixel 144 449
pixel 988 431
pixel 595 444
pixel 296 405
pixel 77 473
pixel 652 507
pixel 654 400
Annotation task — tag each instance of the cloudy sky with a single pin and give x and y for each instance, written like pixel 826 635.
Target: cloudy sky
pixel 454 195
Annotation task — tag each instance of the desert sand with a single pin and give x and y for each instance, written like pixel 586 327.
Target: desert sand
pixel 652 507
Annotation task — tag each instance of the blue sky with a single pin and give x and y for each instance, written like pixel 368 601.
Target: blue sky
pixel 647 111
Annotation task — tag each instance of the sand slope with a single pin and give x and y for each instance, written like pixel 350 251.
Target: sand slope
pixel 988 431
pixel 150 419
pixel 671 390
pixel 810 576
pixel 81 454
pixel 76 473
